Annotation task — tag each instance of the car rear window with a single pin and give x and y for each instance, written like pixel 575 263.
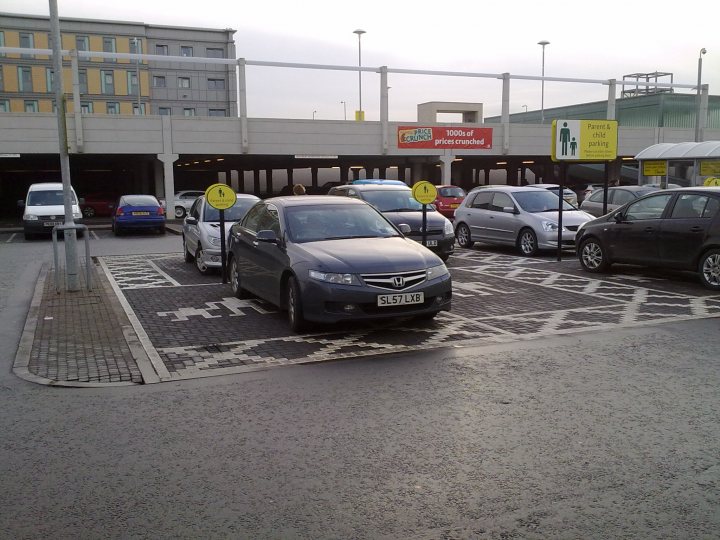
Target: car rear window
pixel 139 200
pixel 451 192
pixel 392 200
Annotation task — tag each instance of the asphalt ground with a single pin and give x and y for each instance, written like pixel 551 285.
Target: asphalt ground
pixel 190 325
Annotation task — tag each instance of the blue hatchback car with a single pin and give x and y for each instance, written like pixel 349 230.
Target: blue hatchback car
pixel 138 212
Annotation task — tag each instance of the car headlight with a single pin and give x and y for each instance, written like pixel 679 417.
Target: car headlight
pixel 214 241
pixel 30 217
pixel 448 230
pixel 329 277
pixel 551 226
pixel 77 215
pixel 436 272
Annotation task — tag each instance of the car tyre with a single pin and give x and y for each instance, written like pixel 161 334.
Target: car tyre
pixel 116 230
pixel 593 257
pixel 200 262
pixel 161 229
pixel 294 306
pixel 88 211
pixel 188 256
pixel 527 243
pixel 179 212
pixel 463 236
pixel 29 236
pixel 709 268
pixel 235 283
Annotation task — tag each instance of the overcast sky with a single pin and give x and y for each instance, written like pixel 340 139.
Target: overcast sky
pixel 593 40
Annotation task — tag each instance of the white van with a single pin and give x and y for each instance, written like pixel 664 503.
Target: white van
pixel 44 208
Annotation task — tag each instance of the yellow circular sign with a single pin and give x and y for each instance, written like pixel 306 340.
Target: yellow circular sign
pixel 712 181
pixel 220 196
pixel 424 192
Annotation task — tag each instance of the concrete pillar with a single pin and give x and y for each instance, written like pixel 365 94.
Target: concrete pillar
pixel 269 181
pixel 344 174
pixel 158 178
pixel 401 173
pixel 314 176
pixel 291 177
pixel 487 177
pixel 446 170
pixel 169 181
pixel 369 172
pixel 355 174
pixel 256 182
pixel 234 183
pixel 382 172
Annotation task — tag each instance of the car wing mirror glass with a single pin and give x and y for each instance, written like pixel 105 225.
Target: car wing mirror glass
pixel 267 236
pixel 619 217
pixel 509 210
pixel 404 228
pixel 21 203
pixel 81 200
pixel 190 220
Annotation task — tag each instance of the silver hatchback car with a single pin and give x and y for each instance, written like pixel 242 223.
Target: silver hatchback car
pixel 201 231
pixel 524 217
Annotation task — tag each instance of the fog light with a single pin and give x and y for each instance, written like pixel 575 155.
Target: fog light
pixel 438 299
pixel 214 258
pixel 349 308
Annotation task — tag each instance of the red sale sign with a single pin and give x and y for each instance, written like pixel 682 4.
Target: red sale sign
pixel 444 137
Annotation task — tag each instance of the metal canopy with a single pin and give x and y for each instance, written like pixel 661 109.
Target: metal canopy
pixel 684 150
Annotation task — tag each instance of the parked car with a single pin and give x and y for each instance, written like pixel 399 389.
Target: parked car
pixel 568 194
pixel 330 259
pixel 201 230
pixel 44 207
pixel 525 217
pixel 676 229
pixel 183 201
pixel 616 197
pixel 448 199
pixel 394 199
pixel 138 212
pixel 98 204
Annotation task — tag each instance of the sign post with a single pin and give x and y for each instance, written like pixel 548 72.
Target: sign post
pixel 424 192
pixel 221 197
pixel 581 141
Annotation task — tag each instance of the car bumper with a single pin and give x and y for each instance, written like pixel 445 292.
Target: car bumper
pixel 548 240
pixel 326 303
pixel 140 223
pixel 213 257
pixel 443 245
pixel 45 226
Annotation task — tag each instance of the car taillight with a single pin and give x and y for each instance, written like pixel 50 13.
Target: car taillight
pixel 161 211
pixel 119 212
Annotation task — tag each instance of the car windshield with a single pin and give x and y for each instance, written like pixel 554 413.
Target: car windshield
pixel 47 198
pixel 540 201
pixel 235 213
pixel 451 192
pixel 392 200
pixel 336 222
pixel 139 200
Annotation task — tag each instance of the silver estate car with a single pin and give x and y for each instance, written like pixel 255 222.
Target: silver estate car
pixel 524 217
pixel 201 231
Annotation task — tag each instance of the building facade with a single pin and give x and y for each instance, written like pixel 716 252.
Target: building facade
pixel 115 85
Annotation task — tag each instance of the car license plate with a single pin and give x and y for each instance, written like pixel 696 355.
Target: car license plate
pixel 454 205
pixel 52 223
pixel 400 299
pixel 431 243
pixel 141 213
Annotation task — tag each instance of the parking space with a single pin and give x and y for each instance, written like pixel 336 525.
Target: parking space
pixel 192 325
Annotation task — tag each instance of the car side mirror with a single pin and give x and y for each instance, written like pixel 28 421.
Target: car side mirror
pixel 190 220
pixel 21 204
pixel 267 236
pixel 81 200
pixel 404 228
pixel 509 210
pixel 619 217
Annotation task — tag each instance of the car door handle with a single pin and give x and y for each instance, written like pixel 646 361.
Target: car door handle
pixel 696 229
pixel 649 229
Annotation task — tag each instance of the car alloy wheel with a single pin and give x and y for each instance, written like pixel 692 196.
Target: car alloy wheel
pixel 527 242
pixel 88 211
pixel 710 269
pixel 294 306
pixel 179 212
pixel 237 289
pixel 200 261
pixel 463 236
pixel 592 256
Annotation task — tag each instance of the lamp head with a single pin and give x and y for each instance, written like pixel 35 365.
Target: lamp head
pixel 543 43
pixel 703 51
pixel 359 32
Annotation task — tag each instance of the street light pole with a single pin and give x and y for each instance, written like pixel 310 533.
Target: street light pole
pixel 360 115
pixel 525 107
pixel 314 114
pixel 344 110
pixel 137 74
pixel 542 92
pixel 697 111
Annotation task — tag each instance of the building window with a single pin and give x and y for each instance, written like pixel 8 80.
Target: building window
pixel 136 45
pixel 82 75
pixel 27 41
pixel 189 111
pixel 132 83
pixel 2 83
pixel 82 43
pixel 159 81
pixel 113 107
pixel 165 111
pixel 109 46
pixel 216 112
pixel 31 105
pixel 183 82
pixel 4 105
pixel 25 79
pixel 2 43
pixel 86 107
pixel 140 110
pixel 213 52
pixel 49 76
pixel 161 49
pixel 216 84
pixel 107 82
pixel 186 51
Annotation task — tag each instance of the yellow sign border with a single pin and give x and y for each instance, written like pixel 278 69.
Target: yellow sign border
pixel 424 198
pixel 227 201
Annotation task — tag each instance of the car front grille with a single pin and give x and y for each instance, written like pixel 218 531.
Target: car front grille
pixel 398 281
